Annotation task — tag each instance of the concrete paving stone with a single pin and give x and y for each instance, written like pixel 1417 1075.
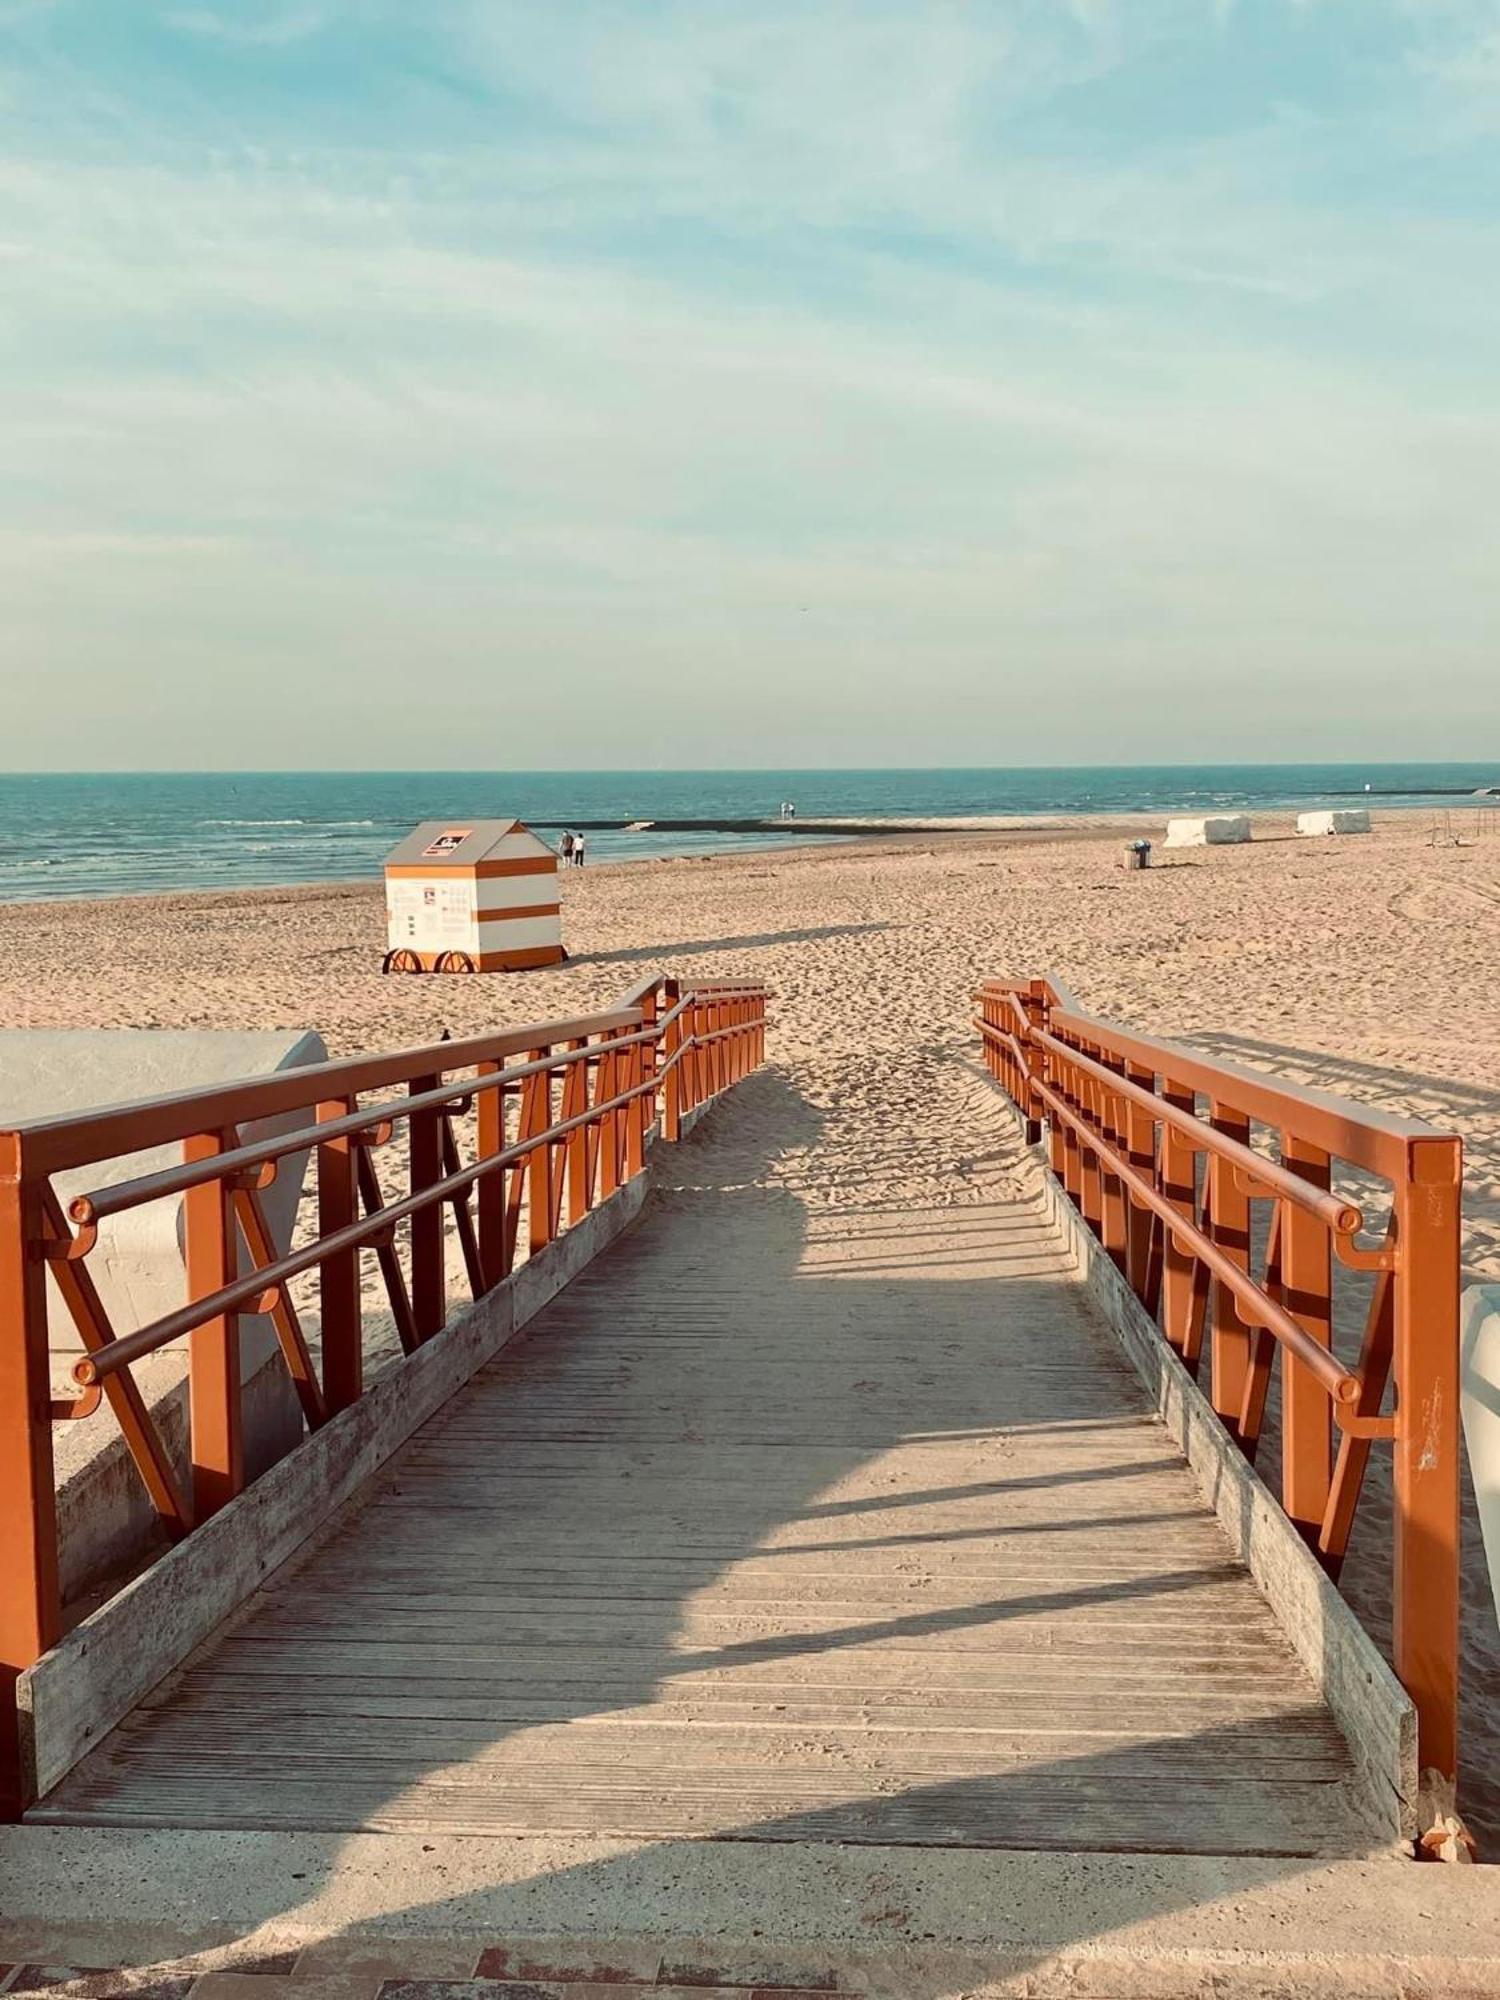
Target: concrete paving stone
pixel 68 1982
pixel 257 1986
pixel 741 1969
pixel 472 1989
pixel 390 1958
pixel 563 1960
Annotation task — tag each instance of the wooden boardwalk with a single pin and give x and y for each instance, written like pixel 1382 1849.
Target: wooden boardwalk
pixel 786 1522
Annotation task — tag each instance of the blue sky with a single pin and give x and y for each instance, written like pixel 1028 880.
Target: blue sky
pixel 602 384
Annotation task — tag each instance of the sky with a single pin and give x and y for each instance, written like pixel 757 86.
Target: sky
pixel 688 383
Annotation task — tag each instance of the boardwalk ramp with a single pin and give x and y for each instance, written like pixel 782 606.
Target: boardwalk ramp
pixel 825 1506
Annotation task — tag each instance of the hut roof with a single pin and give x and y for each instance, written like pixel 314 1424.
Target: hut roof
pixel 459 843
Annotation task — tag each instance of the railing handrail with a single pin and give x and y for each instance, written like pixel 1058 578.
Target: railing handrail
pixel 100 1203
pixel 1358 1133
pixel 1125 1136
pixel 85 1138
pixel 269 1278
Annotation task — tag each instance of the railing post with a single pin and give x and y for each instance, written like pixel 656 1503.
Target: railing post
pixel 609 1124
pixel 692 1062
pixel 1037 1008
pixel 429 1273
pixel 1140 1141
pixel 1307 1290
pixel 635 1111
pixel 1425 1635
pixel 575 1102
pixel 648 1068
pixel 1179 1173
pixel 489 1192
pixel 1072 1145
pixel 536 1116
pixel 671 1124
pixel 1229 1226
pixel 1114 1208
pixel 215 1414
pixel 338 1278
pixel 30 1608
pixel 1090 1172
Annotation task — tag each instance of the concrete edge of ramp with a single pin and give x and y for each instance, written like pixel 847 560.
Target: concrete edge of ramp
pixel 922 1924
pixel 1369 1704
pixel 93 1677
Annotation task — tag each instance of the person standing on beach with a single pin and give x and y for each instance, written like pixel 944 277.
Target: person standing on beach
pixel 578 845
pixel 565 849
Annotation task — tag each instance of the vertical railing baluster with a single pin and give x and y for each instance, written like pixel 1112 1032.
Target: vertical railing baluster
pixel 536 1116
pixel 649 1067
pixel 609 1128
pixel 215 1415
pixel 1140 1146
pixel 575 1102
pixel 1179 1185
pixel 338 1275
pixel 637 1057
pixel 1229 1228
pixel 429 1274
pixel 489 1193
pixel 673 1065
pixel 1113 1207
pixel 1091 1189
pixel 1307 1292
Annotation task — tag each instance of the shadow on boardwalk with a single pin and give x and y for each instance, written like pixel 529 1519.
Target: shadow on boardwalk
pixel 796 1520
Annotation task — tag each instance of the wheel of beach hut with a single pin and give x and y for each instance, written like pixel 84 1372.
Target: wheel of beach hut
pixel 401 960
pixel 454 961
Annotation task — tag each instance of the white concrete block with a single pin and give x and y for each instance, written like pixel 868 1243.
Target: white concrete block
pixel 1479 1398
pixel 1346 819
pixel 138 1261
pixel 1212 830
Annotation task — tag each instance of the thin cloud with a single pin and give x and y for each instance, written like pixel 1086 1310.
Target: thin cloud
pixel 276 29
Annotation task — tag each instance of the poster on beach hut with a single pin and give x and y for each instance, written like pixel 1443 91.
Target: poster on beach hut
pixel 477 897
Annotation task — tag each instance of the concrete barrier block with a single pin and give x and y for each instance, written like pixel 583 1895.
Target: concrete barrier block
pixel 1211 830
pixel 138 1261
pixel 1350 819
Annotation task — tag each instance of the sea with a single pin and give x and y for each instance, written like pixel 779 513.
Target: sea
pixel 109 834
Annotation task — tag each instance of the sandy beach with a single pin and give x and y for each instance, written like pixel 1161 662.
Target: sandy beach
pixel 1360 965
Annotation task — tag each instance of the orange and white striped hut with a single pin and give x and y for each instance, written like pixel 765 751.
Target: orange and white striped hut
pixel 477 895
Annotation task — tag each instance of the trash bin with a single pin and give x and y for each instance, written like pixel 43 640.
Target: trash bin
pixel 1137 854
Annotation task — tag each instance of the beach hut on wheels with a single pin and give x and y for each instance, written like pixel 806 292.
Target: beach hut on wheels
pixel 477 895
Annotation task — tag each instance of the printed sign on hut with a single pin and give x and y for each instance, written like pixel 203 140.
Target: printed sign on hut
pixel 477 898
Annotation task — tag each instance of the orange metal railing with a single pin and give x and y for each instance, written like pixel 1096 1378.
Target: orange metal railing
pixel 1166 1154
pixel 561 1112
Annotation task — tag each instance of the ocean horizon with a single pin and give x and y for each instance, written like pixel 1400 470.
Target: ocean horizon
pixel 106 833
